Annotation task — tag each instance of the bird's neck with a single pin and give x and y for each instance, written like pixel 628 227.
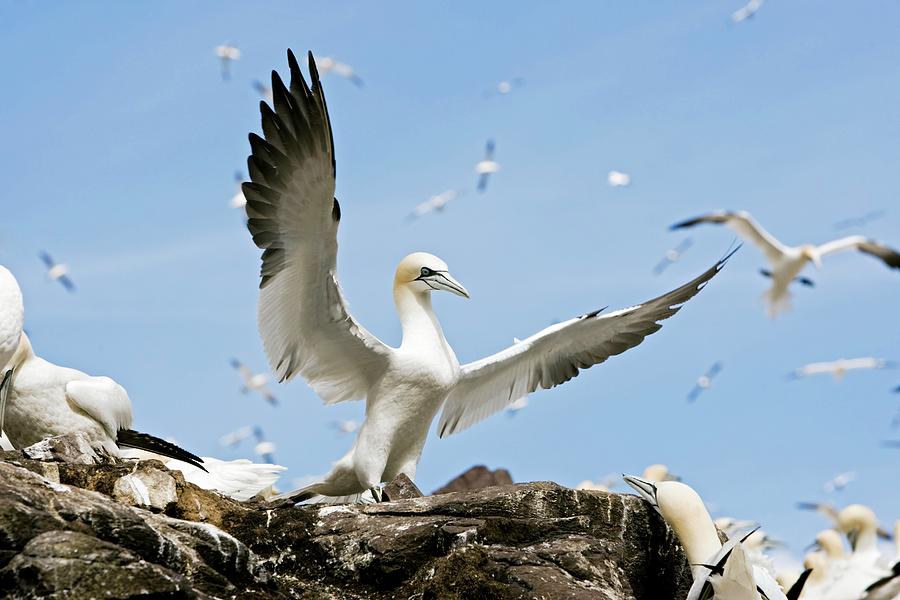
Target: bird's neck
pixel 23 352
pixel 699 539
pixel 421 328
pixel 866 542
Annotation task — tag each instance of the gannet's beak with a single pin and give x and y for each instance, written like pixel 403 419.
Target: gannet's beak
pixel 442 280
pixel 853 538
pixel 646 489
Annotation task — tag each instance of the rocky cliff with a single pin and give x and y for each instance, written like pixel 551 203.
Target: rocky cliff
pixel 76 525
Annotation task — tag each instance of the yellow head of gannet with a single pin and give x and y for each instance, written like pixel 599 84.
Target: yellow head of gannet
pixel 829 541
pixel 422 273
pixel 859 524
pixel 811 253
pixel 818 562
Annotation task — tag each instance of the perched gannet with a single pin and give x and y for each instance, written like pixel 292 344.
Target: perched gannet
pixel 486 166
pixel 227 54
pixel 672 256
pixel 435 203
pixel 747 11
pixel 704 381
pixel 839 368
pixel 307 330
pixel 788 261
pixel 238 200
pixel 257 382
pixel 57 272
pixel 618 179
pixel 326 65
pixel 729 572
pixel 819 577
pixel 839 481
pixel 829 542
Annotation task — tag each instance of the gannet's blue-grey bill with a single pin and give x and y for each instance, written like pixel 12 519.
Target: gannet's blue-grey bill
pixel 442 280
pixel 646 489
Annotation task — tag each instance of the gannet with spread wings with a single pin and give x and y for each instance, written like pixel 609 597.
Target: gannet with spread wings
pixel 788 261
pixel 307 330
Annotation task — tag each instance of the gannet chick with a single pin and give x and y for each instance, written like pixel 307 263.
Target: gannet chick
pixel 618 179
pixel 486 166
pixel 727 572
pixel 256 382
pixel 788 261
pixel 704 382
pixel 57 272
pixel 839 368
pixel 227 54
pixel 307 329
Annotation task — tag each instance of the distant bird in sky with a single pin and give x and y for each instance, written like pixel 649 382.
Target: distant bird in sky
pixel 704 381
pixel 672 256
pixel 839 368
pixel 516 406
pixel 238 200
pixel 872 215
pixel 57 272
pixel 263 447
pixel 486 166
pixel 747 11
pixel 788 261
pixel 839 481
pixel 326 65
pixel 434 204
pixel 618 179
pixel 262 89
pixel 227 54
pixel 257 382
pixel 505 87
pixel 347 426
pixel 233 438
pixel 308 330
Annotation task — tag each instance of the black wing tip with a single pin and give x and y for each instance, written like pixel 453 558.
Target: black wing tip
pixel 797 588
pixel 144 441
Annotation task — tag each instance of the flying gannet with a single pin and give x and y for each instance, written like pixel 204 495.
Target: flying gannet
pixel 839 368
pixel 872 215
pixel 618 179
pixel 227 54
pixel 238 200
pixel 486 166
pixel 435 203
pixel 262 89
pixel 672 256
pixel 726 572
pixel 347 426
pixel 704 382
pixel 747 11
pixel 839 481
pixel 57 272
pixel 307 329
pixel 256 382
pixel 326 65
pixel 788 261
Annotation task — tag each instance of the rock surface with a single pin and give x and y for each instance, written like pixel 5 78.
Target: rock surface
pixel 67 536
pixel 476 478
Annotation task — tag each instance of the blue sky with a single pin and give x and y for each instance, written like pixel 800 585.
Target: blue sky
pixel 120 140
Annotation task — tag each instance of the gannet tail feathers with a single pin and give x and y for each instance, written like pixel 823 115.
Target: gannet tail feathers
pixel 130 438
pixel 239 479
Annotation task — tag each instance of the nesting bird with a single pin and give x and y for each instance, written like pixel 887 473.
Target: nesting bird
pixel 307 329
pixel 788 261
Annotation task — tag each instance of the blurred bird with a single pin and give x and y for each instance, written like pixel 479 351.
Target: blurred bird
pixel 829 542
pixel 672 255
pixel 865 219
pixel 604 485
pixel 839 481
pixel 257 382
pixel 346 426
pixel 516 406
pixel 729 572
pixel 731 526
pixel 505 87
pixel 262 89
pixel 788 261
pixel 238 200
pixel 227 54
pixel 435 203
pixel 839 368
pixel 704 381
pixel 486 166
pixel 307 329
pixel 831 513
pixel 57 272
pixel 618 179
pixel 326 65
pixel 233 438
pixel 747 11
pixel 659 472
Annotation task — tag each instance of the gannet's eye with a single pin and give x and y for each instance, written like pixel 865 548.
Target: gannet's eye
pixel 426 272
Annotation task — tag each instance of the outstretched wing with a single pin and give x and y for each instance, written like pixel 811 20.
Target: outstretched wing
pixel 293 216
pixel 103 400
pixel 745 226
pixel 555 355
pixel 888 255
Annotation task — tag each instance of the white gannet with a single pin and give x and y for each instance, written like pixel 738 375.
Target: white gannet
pixel 788 261
pixel 839 368
pixel 486 166
pixel 747 11
pixel 504 87
pixel 729 572
pixel 830 543
pixel 346 426
pixel 435 203
pixel 238 200
pixel 233 438
pixel 516 406
pixel 307 329
pixel 672 256
pixel 257 382
pixel 262 89
pixel 227 54
pixel 618 179
pixel 57 272
pixel 12 319
pixel 888 587
pixel 704 381
pixel 326 65
pixel 839 481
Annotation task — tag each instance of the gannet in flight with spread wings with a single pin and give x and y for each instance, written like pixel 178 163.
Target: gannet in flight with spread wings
pixel 747 11
pixel 838 368
pixel 57 272
pixel 788 261
pixel 731 571
pixel 326 65
pixel 487 166
pixel 257 382
pixel 227 54
pixel 307 329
